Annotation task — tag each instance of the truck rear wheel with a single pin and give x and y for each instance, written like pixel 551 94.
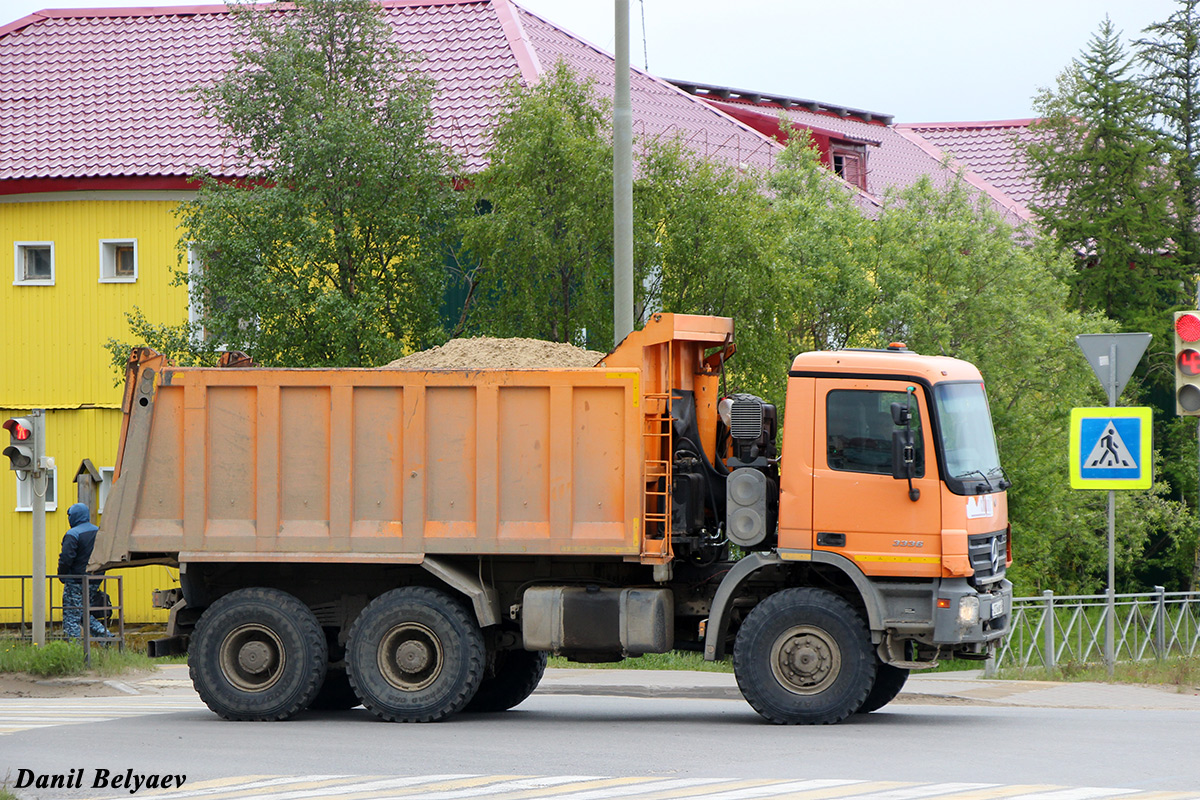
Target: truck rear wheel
pixel 516 673
pixel 889 681
pixel 415 655
pixel 804 656
pixel 257 654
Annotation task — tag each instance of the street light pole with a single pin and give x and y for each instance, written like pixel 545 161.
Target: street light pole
pixel 622 184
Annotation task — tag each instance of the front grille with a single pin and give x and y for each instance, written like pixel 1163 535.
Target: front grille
pixel 987 552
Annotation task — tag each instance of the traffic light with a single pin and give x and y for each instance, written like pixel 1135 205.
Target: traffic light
pixel 23 445
pixel 1187 363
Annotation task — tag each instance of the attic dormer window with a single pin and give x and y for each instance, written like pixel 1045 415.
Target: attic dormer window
pixel 850 164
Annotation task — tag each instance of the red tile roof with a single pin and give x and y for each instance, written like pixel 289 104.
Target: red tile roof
pixel 104 93
pixel 989 150
pixel 896 157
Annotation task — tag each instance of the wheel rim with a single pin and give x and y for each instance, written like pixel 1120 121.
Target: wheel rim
pixel 806 660
pixel 252 658
pixel 410 657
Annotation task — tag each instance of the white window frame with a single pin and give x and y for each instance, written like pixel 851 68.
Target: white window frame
pixel 25 492
pixel 108 260
pixel 105 487
pixel 19 278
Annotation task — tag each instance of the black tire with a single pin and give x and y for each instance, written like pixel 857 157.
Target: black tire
pixel 415 655
pixel 336 693
pixel 257 654
pixel 889 681
pixel 511 678
pixel 804 657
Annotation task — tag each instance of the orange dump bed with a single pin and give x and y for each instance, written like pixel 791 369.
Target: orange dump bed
pixel 380 465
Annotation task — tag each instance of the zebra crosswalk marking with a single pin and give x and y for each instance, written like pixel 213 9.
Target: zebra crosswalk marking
pixel 1080 793
pixel 847 789
pixel 1001 792
pixel 707 792
pixel 780 788
pixel 23 714
pixel 576 785
pixel 928 790
pixel 582 787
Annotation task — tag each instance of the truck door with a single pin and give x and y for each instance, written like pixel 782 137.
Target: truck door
pixel 859 509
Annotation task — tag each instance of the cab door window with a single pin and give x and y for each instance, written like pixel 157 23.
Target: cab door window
pixel 859 431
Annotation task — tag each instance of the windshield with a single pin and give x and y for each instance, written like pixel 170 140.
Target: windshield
pixel 968 443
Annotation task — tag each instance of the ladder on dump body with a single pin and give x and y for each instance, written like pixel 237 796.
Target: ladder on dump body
pixel 656 439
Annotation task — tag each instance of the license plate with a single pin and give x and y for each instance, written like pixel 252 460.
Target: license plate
pixel 997 608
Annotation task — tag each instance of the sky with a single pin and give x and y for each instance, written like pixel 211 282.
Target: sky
pixel 917 60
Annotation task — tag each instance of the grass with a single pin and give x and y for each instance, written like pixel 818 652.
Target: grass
pixel 1182 673
pixel 65 659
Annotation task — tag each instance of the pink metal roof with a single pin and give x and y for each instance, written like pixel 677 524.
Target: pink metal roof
pixel 989 149
pixel 897 157
pixel 95 93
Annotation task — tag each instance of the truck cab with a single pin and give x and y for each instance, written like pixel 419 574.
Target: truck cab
pixel 890 472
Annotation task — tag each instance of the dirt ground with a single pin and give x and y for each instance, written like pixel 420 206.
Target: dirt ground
pixel 490 353
pixel 19 684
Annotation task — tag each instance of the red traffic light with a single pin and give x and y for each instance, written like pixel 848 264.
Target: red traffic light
pixel 1189 362
pixel 16 431
pixel 1187 326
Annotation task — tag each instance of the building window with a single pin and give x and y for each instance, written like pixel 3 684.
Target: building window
pixel 850 166
pixel 105 487
pixel 859 431
pixel 34 264
pixel 118 260
pixel 25 491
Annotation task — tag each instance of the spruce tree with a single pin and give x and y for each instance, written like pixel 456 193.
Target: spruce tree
pixel 1105 186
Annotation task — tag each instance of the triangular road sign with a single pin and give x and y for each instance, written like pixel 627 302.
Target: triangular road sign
pixel 1098 350
pixel 1110 451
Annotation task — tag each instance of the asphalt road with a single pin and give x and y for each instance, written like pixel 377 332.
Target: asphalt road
pixel 661 747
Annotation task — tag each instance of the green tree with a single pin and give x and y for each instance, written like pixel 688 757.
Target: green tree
pixel 539 250
pixel 824 252
pixel 1106 192
pixel 1170 58
pixel 1119 195
pixel 705 242
pixel 330 250
pixel 954 279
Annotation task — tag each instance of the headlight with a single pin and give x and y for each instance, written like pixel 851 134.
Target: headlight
pixel 968 611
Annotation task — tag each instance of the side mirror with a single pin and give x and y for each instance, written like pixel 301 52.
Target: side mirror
pixel 901 415
pixel 904 455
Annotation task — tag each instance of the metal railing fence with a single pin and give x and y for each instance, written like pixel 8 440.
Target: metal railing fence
pixel 115 610
pixel 1051 630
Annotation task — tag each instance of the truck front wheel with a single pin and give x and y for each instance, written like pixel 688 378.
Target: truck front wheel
pixel 415 655
pixel 257 654
pixel 804 656
pixel 512 677
pixel 889 681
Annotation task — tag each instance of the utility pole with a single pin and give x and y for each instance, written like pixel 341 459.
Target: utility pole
pixel 622 184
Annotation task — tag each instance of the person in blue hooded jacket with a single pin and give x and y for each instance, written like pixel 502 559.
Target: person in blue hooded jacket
pixel 73 559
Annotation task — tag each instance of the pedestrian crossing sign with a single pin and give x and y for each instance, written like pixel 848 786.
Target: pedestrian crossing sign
pixel 1110 448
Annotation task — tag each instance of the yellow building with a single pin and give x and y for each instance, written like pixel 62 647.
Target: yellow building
pixel 81 260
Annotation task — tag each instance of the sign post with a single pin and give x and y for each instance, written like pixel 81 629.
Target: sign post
pixel 1113 357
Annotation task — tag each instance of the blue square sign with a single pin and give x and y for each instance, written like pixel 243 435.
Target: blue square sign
pixel 1110 448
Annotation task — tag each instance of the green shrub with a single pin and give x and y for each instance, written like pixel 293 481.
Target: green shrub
pixel 51 660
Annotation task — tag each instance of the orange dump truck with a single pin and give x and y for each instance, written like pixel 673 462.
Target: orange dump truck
pixel 418 541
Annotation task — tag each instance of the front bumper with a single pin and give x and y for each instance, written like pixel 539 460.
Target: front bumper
pixel 966 615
